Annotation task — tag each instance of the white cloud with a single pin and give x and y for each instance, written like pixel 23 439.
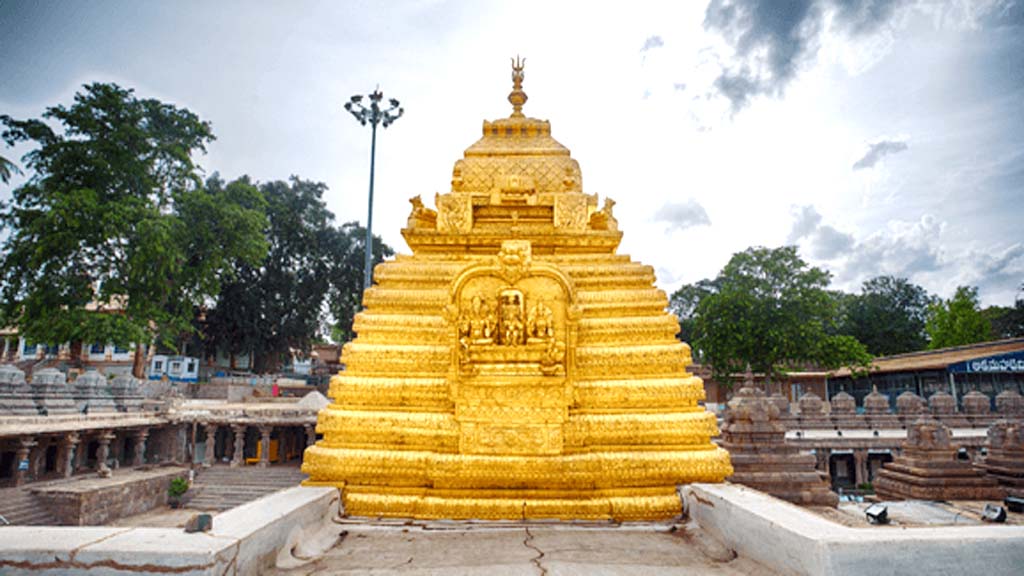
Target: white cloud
pixel 682 215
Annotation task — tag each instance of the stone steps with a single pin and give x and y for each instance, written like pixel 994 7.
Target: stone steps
pixel 20 507
pixel 222 488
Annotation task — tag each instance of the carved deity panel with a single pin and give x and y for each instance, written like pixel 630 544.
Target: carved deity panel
pixel 513 321
pixel 571 211
pixel 512 330
pixel 454 213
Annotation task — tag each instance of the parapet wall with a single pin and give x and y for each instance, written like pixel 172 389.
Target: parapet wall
pixel 244 541
pixel 793 540
pixel 95 502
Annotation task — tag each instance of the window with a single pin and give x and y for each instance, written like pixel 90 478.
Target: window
pixel 97 348
pixel 175 367
pixel 29 348
pixel 120 350
pixel 191 367
pixel 158 365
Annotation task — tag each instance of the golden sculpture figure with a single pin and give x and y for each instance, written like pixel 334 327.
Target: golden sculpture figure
pixel 514 366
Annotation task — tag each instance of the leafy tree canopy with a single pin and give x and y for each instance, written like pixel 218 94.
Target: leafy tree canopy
pixel 114 215
pixel 282 303
pixel 957 321
pixel 768 309
pixel 346 294
pixel 683 303
pixel 7 169
pixel 888 316
pixel 1006 321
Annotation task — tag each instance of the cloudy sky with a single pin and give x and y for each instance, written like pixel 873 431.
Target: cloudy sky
pixel 882 137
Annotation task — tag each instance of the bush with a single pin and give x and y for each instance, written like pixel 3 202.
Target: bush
pixel 177 488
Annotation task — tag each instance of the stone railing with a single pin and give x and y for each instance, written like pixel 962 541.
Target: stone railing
pixel 811 412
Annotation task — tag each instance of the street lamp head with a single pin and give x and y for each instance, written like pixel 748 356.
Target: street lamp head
pixel 390 117
pixel 374 114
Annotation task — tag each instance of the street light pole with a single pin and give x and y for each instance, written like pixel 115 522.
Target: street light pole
pixel 368 269
pixel 373 115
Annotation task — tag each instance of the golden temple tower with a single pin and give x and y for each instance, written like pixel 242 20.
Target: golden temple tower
pixel 514 366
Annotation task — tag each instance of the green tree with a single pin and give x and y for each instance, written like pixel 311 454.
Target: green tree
pixel 772 312
pixel 683 303
pixel 957 321
pixel 888 316
pixel 114 214
pixel 346 296
pixel 1006 321
pixel 7 168
pixel 282 303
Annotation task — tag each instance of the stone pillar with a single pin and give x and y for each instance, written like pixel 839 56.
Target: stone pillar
pixel 238 458
pixel 860 467
pixel 36 458
pixel 70 452
pixel 103 452
pixel 25 445
pixel 211 445
pixel 139 457
pixel 821 460
pixel 265 446
pixel 310 435
pixel 81 454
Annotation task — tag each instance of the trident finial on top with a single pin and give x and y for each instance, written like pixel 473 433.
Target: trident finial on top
pixel 517 97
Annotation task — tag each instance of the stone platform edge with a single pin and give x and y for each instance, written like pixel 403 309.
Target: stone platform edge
pixel 244 541
pixel 792 540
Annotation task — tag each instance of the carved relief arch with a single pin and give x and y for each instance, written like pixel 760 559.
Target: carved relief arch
pixel 513 316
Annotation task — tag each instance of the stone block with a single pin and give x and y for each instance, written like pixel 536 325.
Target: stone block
pixel 199 523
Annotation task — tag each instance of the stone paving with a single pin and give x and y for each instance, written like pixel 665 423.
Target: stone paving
pixel 535 549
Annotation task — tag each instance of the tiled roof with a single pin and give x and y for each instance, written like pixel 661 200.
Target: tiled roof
pixel 941 358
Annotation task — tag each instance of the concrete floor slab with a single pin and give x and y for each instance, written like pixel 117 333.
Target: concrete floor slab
pixel 533 550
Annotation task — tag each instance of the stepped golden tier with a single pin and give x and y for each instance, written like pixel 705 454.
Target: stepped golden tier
pixel 514 366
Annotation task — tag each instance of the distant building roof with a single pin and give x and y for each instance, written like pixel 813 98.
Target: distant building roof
pixel 940 359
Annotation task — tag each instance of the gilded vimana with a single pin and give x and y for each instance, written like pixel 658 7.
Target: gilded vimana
pixel 515 366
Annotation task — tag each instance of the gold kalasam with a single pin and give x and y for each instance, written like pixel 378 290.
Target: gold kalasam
pixel 514 366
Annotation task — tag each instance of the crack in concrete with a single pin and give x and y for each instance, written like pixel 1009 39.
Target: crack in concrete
pixel 528 542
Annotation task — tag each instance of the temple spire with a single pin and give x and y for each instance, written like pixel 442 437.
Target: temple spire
pixel 517 97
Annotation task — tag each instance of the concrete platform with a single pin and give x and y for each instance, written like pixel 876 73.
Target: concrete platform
pixel 521 550
pixel 732 530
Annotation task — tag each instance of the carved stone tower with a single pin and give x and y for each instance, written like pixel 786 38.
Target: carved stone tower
pixel 514 366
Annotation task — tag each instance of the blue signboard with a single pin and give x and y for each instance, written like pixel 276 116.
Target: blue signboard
pixel 1000 363
pixel 23 465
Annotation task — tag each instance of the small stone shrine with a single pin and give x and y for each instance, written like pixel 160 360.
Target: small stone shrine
pixel 15 393
pixel 1010 404
pixel 125 390
pixel 844 412
pixel 1005 458
pixel 878 411
pixel 928 469
pixel 785 416
pixel 51 393
pixel 909 407
pixel 92 394
pixel 977 408
pixel 943 408
pixel 756 440
pixel 812 412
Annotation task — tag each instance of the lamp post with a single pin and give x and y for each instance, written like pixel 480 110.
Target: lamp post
pixel 373 114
